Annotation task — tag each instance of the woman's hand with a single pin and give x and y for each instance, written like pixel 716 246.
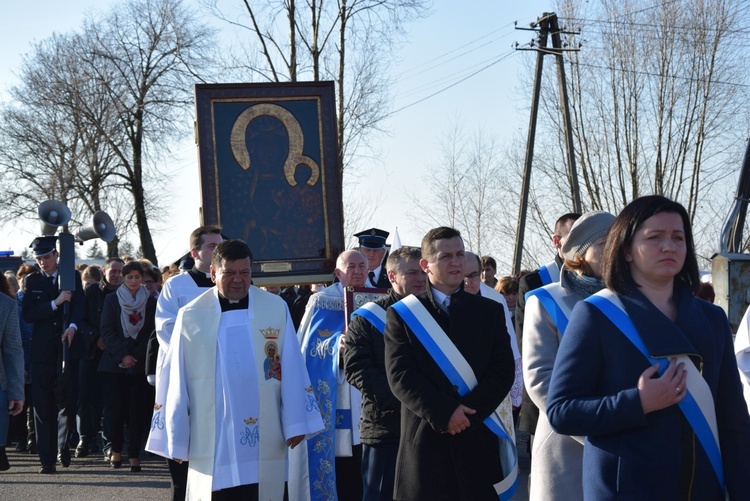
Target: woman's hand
pixel 663 391
pixel 128 361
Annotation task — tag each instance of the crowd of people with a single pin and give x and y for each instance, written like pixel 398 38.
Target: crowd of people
pixel 611 356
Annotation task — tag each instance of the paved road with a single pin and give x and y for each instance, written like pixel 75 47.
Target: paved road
pixel 89 479
pixel 92 479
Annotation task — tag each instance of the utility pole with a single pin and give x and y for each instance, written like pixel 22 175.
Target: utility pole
pixel 547 27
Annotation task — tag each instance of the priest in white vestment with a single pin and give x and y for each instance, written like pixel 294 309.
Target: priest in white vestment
pixel 238 392
pixel 328 467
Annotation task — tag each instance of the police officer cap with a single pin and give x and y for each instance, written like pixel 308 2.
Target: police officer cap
pixel 373 238
pixel 43 245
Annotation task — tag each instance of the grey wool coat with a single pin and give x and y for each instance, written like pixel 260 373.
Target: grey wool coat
pixel 11 349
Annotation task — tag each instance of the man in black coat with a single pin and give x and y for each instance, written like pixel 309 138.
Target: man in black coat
pixel 43 305
pixel 372 246
pixel 446 452
pixel 92 393
pixel 364 365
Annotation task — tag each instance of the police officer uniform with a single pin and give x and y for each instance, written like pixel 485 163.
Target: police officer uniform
pixel 52 423
pixel 374 238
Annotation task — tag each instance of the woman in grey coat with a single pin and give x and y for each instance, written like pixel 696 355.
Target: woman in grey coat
pixel 11 365
pixel 556 460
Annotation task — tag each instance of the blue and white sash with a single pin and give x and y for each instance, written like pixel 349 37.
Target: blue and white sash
pixel 698 404
pixel 459 372
pixel 549 273
pixel 550 298
pixel 373 314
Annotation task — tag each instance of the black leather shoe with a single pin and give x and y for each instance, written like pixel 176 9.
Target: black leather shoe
pixel 64 458
pixel 21 446
pixel 82 450
pixel 47 469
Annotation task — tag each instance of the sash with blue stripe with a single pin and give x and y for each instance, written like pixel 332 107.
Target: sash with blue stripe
pixel 321 351
pixel 549 273
pixel 697 406
pixel 551 300
pixel 544 275
pixel 373 314
pixel 459 372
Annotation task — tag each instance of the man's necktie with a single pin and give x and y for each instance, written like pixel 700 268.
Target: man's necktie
pixel 371 274
pixel 446 302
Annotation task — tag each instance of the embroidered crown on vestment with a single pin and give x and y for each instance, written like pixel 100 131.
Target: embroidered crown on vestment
pixel 250 420
pixel 270 333
pixel 325 333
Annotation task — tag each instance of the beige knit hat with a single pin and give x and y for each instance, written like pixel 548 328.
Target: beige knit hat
pixel 589 228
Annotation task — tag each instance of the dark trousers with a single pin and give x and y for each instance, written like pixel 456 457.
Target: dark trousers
pixel 91 403
pixel 239 493
pixel 378 471
pixel 178 473
pixel 19 424
pixel 52 424
pixel 29 413
pixel 349 475
pixel 130 404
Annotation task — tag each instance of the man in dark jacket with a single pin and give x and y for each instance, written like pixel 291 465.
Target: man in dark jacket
pixel 365 370
pixel 446 450
pixel 43 306
pixel 90 402
pixel 372 246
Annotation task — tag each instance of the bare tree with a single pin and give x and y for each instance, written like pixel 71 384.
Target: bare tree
pixel 43 144
pixel 144 56
pixel 113 97
pixel 347 41
pixel 653 93
pixel 465 187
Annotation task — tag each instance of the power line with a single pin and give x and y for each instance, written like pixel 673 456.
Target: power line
pixel 417 69
pixel 661 27
pixel 647 73
pixel 437 82
pixel 498 60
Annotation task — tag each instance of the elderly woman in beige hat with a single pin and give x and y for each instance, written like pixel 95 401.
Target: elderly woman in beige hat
pixel 556 460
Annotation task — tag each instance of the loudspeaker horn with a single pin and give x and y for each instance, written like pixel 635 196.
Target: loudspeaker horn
pixel 101 227
pixel 53 214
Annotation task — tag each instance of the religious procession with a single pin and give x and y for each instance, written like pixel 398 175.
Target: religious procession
pixel 293 348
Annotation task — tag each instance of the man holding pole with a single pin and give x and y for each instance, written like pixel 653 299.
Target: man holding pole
pixel 43 305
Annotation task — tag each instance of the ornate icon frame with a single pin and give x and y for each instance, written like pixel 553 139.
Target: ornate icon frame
pixel 355 297
pixel 274 183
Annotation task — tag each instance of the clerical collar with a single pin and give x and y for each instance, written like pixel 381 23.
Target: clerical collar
pixel 201 278
pixel 227 305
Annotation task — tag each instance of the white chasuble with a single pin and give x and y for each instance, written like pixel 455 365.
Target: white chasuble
pixel 238 389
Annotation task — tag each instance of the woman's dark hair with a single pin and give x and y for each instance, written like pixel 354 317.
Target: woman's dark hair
pixel 4 286
pixel 132 266
pixel 616 270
